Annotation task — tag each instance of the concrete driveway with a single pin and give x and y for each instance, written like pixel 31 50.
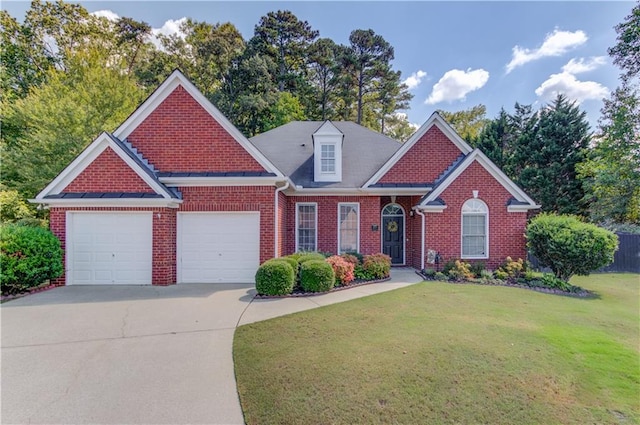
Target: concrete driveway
pixel 136 354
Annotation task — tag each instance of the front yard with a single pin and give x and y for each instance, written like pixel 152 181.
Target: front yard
pixel 443 353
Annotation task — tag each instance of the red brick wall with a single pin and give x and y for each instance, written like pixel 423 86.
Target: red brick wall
pixel 108 173
pixel 234 198
pixel 164 239
pixel 328 222
pixel 179 135
pixel 425 160
pixel 506 230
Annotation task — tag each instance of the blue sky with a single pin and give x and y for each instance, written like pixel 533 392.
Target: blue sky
pixel 458 54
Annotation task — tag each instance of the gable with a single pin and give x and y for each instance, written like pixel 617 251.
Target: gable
pixel 475 178
pixel 423 162
pixel 108 173
pixel 179 135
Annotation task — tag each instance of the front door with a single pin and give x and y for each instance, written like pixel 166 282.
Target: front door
pixel 393 233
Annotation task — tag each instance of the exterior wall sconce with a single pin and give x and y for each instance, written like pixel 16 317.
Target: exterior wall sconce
pixel 411 213
pixel 374 227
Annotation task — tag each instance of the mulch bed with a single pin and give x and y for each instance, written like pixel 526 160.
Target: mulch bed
pixel 582 293
pixel 300 293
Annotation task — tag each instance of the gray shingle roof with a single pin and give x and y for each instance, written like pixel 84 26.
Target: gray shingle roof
pixel 290 148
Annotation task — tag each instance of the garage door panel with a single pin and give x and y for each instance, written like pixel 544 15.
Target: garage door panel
pixel 110 248
pixel 218 247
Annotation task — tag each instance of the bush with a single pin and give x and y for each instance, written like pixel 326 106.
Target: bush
pixel 377 265
pixel 477 269
pixel 342 269
pixel 500 274
pixel 28 257
pixel 309 256
pixel 548 280
pixel 291 261
pixel 316 276
pixel 512 269
pixel 275 277
pixel 440 276
pixel 350 258
pixel 569 246
pixel 358 256
pixel 460 271
pixel 429 273
pixel 361 273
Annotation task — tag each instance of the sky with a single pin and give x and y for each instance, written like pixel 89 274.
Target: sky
pixel 453 55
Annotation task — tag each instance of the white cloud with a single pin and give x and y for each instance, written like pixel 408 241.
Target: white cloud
pixel 456 84
pixel 172 26
pixel 570 86
pixel 415 79
pixel 555 44
pixel 577 66
pixel 111 16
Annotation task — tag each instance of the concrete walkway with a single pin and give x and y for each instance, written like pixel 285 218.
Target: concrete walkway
pixel 136 354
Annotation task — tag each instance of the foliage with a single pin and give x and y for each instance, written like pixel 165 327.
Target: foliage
pixel 361 273
pixel 351 258
pixel 28 257
pixel 378 266
pixel 460 271
pixel 275 277
pixel 13 207
pixel 440 276
pixel 513 269
pixel 468 123
pixel 307 256
pixel 430 273
pixel 477 268
pixel 569 246
pixel 293 262
pixel 316 276
pixel 548 280
pixel 626 53
pixel 342 269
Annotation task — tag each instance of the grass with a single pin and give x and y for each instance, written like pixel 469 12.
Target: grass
pixel 441 353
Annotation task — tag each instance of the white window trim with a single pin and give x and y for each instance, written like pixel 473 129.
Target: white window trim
pixel 327 176
pixel 350 204
pixel 486 232
pixel 331 158
pixel 315 205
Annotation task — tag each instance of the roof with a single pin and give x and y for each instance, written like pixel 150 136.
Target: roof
pixel 290 149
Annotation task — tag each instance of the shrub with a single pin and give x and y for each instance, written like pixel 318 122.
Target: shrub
pixel 548 280
pixel 350 258
pixel 486 275
pixel 309 256
pixel 477 269
pixel 361 273
pixel 440 276
pixel 291 261
pixel 569 246
pixel 460 271
pixel 275 277
pixel 316 276
pixel 377 265
pixel 358 256
pixel 513 269
pixel 500 274
pixel 28 257
pixel 429 273
pixel 342 269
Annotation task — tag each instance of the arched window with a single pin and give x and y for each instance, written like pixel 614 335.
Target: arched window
pixel 475 229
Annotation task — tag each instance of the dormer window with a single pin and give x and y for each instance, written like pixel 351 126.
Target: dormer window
pixel 327 153
pixel 328 158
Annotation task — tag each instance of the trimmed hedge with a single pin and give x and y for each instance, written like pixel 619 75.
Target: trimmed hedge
pixel 316 276
pixel 310 256
pixel 275 277
pixel 377 266
pixel 291 261
pixel 28 257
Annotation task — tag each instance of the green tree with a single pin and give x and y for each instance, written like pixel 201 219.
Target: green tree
pixel 323 76
pixel 494 139
pixel 398 127
pixel 626 52
pixel 468 123
pixel 60 117
pixel 369 56
pixel 548 161
pixel 392 95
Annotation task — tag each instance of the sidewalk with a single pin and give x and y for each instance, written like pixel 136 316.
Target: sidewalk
pixel 267 308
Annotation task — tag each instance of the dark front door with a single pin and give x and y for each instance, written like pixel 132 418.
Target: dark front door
pixel 393 238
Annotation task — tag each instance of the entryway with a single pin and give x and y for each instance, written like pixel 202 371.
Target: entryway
pixel 393 233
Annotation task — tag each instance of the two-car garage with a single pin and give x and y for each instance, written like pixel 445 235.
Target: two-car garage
pixel 117 247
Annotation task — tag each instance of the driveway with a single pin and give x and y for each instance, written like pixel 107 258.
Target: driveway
pixel 136 354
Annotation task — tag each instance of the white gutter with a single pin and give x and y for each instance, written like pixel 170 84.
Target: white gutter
pixel 421 214
pixel 276 227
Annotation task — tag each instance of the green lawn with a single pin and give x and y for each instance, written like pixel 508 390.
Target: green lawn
pixel 441 353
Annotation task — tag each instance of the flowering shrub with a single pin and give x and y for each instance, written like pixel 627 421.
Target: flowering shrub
pixel 350 258
pixel 512 269
pixel 460 270
pixel 342 268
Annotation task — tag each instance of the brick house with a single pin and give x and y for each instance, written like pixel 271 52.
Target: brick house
pixel 177 194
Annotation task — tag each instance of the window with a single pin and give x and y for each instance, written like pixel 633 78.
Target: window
pixel 306 227
pixel 475 220
pixel 348 228
pixel 328 158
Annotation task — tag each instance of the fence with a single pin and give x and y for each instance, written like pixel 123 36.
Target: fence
pixel 626 258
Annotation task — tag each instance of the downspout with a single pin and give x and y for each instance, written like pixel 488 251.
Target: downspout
pixel 421 214
pixel 276 222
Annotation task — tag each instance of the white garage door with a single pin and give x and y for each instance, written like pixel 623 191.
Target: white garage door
pixel 218 247
pixel 109 248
